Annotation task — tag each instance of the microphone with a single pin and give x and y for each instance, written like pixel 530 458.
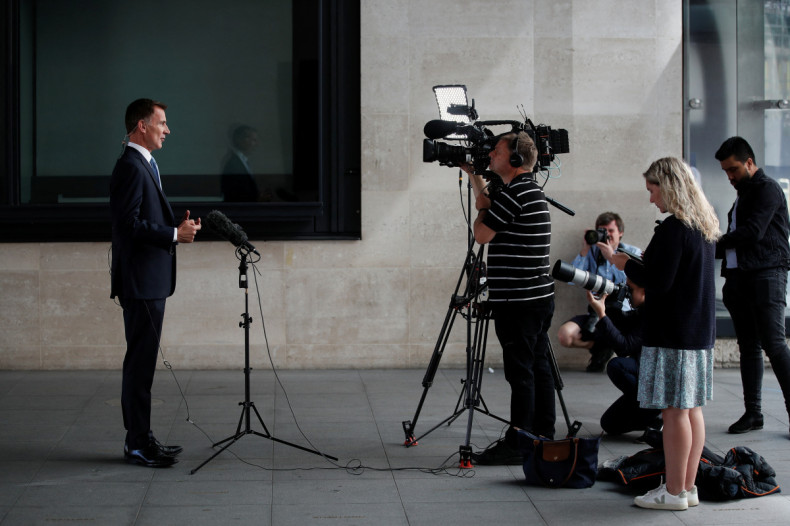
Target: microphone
pixel 220 224
pixel 439 129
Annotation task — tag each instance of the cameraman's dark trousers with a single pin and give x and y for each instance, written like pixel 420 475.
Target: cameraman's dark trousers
pixel 522 330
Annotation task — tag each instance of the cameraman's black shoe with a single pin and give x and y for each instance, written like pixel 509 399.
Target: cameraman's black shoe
pixel 600 356
pixel 497 454
pixel 750 421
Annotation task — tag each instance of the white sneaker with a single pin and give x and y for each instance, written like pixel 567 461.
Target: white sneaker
pixel 661 499
pixel 692 496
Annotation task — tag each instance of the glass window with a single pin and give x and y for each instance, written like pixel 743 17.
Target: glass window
pixel 777 91
pixel 737 82
pixel 245 81
pixel 776 112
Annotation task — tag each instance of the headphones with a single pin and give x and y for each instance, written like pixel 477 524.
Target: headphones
pixel 516 159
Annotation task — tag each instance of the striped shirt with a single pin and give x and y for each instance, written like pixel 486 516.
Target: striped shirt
pixel 518 256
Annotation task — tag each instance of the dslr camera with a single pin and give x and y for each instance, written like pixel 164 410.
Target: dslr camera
pixel 592 237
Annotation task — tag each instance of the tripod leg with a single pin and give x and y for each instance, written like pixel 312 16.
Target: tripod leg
pixel 558 385
pixel 238 428
pixel 260 419
pixel 474 269
pixel 480 340
pixel 232 439
pixel 476 369
pixel 482 407
pixel 268 435
pixel 430 373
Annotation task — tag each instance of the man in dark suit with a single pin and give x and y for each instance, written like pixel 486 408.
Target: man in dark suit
pixel 144 239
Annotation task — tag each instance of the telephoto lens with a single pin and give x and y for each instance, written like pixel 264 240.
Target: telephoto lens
pixel 596 284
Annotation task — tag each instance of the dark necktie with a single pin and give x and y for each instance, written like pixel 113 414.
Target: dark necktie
pixel 156 172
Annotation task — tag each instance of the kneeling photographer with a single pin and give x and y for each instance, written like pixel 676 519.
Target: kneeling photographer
pixel 596 246
pixel 622 332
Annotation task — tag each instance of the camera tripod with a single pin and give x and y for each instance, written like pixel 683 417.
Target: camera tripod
pixel 242 253
pixel 475 309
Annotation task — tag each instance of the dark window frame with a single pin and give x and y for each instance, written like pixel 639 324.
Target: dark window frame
pixel 331 148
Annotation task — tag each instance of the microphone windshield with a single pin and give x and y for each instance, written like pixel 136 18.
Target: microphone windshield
pixel 439 129
pixel 218 223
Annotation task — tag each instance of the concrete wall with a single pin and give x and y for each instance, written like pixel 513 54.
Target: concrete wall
pixel 609 71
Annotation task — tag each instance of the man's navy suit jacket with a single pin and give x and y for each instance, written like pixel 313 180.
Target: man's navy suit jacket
pixel 143 250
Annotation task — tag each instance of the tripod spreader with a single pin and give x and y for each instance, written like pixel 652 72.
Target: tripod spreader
pixel 459 301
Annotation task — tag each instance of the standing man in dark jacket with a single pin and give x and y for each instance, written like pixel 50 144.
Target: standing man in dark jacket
pixel 756 257
pixel 144 239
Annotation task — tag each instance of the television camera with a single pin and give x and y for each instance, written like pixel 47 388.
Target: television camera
pixel 478 140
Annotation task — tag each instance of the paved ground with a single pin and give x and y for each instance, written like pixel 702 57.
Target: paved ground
pixel 61 438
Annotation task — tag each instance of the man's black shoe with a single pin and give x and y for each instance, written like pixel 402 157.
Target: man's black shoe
pixel 170 451
pixel 150 457
pixel 498 454
pixel 750 421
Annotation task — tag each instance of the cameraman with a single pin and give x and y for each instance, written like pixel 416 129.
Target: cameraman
pixel 516 224
pixel 622 332
pixel 577 332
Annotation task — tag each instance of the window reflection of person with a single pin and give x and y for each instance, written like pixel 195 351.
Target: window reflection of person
pixel 238 184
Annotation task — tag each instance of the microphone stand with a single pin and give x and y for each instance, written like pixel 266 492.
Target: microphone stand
pixel 242 253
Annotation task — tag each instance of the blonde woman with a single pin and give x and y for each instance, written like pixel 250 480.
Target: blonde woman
pixel 677 356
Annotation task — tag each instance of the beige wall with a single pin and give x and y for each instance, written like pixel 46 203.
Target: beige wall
pixel 609 71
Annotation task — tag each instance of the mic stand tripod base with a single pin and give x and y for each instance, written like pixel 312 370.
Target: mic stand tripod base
pixel 247 404
pixel 245 416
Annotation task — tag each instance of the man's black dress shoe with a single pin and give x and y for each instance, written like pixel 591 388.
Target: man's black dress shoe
pixel 170 451
pixel 750 421
pixel 150 457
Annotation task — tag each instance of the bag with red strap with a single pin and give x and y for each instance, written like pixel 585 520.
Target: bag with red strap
pixel 567 463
